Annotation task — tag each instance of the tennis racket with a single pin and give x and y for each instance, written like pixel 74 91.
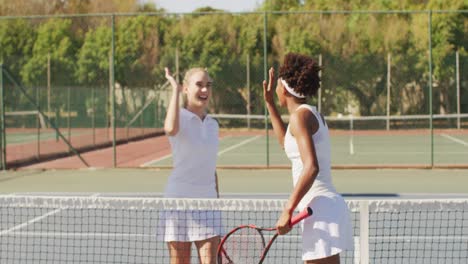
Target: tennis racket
pixel 246 244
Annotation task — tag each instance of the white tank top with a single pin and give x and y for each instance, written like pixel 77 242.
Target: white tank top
pixel 194 153
pixel 323 183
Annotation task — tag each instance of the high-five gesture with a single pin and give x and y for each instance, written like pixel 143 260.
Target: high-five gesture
pixel 268 88
pixel 171 123
pixel 172 81
pixel 268 94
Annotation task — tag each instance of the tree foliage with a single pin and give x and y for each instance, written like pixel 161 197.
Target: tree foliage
pixel 54 43
pixel 354 48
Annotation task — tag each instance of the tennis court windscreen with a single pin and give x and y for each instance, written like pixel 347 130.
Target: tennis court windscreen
pixel 43 229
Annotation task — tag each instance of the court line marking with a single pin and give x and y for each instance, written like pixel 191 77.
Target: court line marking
pixel 146 164
pixel 34 220
pixel 454 139
pixel 238 145
pixel 102 235
pixel 392 153
pixel 75 234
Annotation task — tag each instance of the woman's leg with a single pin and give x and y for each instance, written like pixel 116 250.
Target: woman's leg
pixel 179 252
pixel 335 259
pixel 207 250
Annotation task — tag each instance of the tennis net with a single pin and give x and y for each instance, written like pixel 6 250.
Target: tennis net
pixel 24 119
pixel 62 229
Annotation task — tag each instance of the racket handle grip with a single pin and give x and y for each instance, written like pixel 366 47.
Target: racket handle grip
pixel 301 216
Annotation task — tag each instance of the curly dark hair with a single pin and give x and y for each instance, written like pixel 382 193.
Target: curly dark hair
pixel 301 73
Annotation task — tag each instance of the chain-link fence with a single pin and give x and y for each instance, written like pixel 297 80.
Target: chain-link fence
pixel 394 84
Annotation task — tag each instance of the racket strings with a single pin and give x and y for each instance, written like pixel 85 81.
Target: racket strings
pixel 244 246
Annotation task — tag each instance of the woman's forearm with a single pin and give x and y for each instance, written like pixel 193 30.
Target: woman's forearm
pixel 302 187
pixel 277 123
pixel 171 123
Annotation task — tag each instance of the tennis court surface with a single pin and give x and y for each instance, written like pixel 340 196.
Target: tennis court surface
pixel 374 149
pixel 363 145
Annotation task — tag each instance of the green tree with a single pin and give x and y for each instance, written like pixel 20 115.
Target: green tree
pixel 280 5
pixel 138 52
pixel 250 45
pixel 138 49
pixel 92 71
pixel 448 36
pixel 93 57
pixel 54 39
pixel 16 44
pixel 207 41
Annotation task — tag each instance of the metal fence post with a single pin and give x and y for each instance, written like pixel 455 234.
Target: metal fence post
pixel 431 114
pixel 3 164
pixel 114 143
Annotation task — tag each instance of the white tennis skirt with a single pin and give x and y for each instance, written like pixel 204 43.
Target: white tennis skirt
pixel 328 231
pixel 187 226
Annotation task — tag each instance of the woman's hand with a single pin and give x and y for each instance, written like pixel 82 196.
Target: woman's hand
pixel 268 88
pixel 284 223
pixel 175 86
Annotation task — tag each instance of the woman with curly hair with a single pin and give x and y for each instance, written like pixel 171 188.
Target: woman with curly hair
pixel 307 144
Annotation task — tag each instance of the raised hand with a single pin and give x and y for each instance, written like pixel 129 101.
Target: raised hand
pixel 176 86
pixel 268 88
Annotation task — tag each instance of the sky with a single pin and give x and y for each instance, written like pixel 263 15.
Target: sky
pixel 187 6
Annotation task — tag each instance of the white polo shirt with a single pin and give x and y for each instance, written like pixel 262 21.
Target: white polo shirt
pixel 194 154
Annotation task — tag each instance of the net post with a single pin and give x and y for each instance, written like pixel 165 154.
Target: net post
pixel 142 121
pixel 112 87
pixel 57 124
pixel 93 118
pixel 38 125
pixel 351 137
pixel 3 164
pixel 457 70
pixel 48 83
pixel 357 250
pixel 431 114
pixel 389 69
pixel 248 89
pixel 364 232
pixel 68 115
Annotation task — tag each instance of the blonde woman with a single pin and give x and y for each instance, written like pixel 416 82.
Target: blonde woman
pixel 193 136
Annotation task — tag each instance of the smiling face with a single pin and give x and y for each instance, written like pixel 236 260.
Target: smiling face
pixel 197 87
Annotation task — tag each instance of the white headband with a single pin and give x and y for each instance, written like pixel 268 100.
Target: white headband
pixel 290 90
